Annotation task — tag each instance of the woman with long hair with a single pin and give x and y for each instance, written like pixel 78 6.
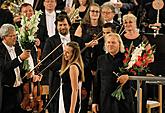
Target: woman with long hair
pixel 72 75
pixel 86 34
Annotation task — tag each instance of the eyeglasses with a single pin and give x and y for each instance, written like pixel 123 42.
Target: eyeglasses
pixel 94 11
pixel 106 12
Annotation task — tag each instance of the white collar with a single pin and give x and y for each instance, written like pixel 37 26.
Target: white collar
pixel 109 21
pixel 67 37
pixel 50 14
pixel 8 47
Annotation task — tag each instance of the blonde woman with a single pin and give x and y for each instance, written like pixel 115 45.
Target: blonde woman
pixel 72 75
pixel 132 36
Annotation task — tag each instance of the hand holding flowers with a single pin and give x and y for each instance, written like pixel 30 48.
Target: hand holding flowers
pixel 26 34
pixel 118 93
pixel 136 62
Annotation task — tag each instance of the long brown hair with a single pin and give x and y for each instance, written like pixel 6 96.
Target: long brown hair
pixel 87 19
pixel 76 59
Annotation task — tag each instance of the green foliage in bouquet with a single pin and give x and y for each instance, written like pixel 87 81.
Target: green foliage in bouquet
pixel 26 34
pixel 136 62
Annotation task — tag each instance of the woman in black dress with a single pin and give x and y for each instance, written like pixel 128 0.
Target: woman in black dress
pixel 86 33
pixel 72 76
pixel 133 36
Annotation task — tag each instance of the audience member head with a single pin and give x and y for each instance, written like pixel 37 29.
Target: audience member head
pixel 129 22
pixel 63 24
pixel 50 5
pixel 93 13
pixel 27 10
pixel 107 11
pixel 109 28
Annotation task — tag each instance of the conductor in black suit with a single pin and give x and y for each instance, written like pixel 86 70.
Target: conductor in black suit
pixel 62 36
pixel 106 81
pixel 11 58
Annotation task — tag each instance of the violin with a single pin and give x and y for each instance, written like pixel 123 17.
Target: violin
pixel 28 100
pixel 38 102
pixel 32 96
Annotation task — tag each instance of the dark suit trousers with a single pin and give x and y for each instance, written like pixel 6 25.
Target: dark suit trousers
pixel 11 100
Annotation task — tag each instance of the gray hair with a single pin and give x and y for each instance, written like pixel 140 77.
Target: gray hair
pixel 5 29
pixel 108 5
pixel 122 48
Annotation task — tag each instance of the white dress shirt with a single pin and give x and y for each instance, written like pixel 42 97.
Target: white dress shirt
pixel 50 22
pixel 65 39
pixel 108 21
pixel 12 54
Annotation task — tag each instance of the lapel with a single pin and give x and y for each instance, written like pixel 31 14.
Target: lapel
pixel 60 50
pixel 43 19
pixel 6 53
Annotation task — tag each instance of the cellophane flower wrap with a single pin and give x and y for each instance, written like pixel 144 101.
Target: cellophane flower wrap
pixel 27 33
pixel 135 63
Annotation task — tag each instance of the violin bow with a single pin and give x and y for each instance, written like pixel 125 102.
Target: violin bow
pixel 44 58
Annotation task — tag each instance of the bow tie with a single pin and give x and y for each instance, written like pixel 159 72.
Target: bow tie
pixel 11 49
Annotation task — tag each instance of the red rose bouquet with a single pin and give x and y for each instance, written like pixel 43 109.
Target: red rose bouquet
pixel 136 62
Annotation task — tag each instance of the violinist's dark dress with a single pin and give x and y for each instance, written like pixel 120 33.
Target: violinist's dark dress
pixel 105 84
pixel 89 56
pixel 67 91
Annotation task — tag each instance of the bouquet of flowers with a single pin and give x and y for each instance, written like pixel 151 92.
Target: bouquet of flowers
pixel 136 62
pixel 26 34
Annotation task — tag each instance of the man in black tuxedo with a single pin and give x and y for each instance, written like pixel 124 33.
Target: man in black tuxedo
pixel 108 13
pixel 46 26
pixel 11 58
pixel 62 36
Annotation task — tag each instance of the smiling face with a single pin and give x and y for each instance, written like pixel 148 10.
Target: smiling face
pixel 129 22
pixel 27 11
pixel 112 45
pixel 50 5
pixel 129 25
pixel 68 53
pixel 63 27
pixel 11 38
pixel 94 12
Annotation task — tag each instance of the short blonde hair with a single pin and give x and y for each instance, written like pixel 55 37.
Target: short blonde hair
pixel 122 49
pixel 129 17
